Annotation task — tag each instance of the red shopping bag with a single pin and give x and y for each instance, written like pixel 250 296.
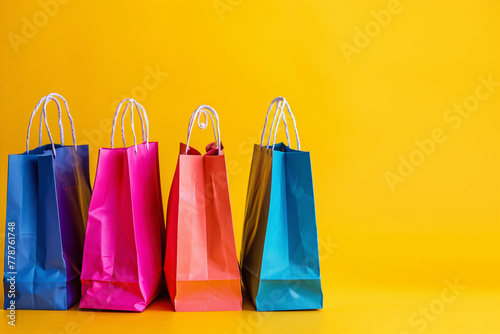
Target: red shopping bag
pixel 201 265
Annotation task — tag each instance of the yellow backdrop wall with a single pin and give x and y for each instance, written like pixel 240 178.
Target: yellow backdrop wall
pixel 397 101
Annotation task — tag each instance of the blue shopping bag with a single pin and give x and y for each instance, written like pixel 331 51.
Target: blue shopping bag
pixel 279 255
pixel 48 194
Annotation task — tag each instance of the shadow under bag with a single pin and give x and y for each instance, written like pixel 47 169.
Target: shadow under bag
pixel 124 245
pixel 48 194
pixel 279 254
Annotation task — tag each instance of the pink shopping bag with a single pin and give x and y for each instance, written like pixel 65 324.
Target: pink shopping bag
pixel 125 242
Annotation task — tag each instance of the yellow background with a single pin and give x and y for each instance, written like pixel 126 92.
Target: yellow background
pixel 385 254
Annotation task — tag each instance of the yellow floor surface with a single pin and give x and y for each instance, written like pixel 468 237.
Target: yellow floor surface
pixel 347 309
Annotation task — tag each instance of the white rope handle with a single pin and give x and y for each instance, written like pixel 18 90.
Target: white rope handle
pixel 278 113
pixel 31 120
pixel 51 97
pixel 45 100
pixel 48 132
pixel 46 126
pixel 130 103
pixel 294 125
pixel 145 134
pixel 61 128
pixel 197 114
pixel 145 138
pixel 203 125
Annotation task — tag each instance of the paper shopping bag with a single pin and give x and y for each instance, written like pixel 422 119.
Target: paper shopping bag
pixel 48 194
pixel 279 255
pixel 124 245
pixel 201 265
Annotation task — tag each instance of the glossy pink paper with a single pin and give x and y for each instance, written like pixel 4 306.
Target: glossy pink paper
pixel 125 238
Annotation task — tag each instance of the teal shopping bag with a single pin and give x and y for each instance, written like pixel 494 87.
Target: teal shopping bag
pixel 279 256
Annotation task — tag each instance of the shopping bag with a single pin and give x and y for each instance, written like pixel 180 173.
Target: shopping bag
pixel 201 265
pixel 48 194
pixel 124 245
pixel 279 255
